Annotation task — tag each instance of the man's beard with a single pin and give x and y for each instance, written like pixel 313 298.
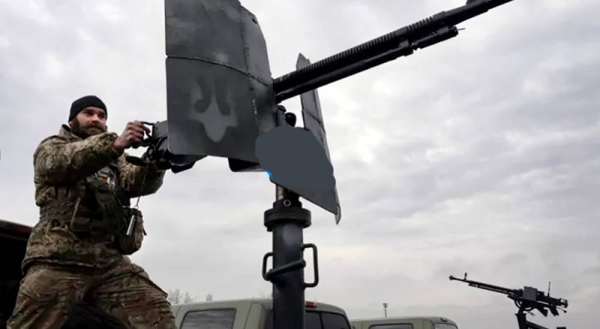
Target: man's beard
pixel 87 131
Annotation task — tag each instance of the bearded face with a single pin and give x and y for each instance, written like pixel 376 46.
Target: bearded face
pixel 89 122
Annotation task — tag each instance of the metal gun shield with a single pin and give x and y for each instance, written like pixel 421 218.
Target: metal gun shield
pixel 219 86
pixel 298 159
pixel 313 121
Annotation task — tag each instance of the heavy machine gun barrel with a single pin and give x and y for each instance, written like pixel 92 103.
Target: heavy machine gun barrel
pixel 485 286
pixel 402 42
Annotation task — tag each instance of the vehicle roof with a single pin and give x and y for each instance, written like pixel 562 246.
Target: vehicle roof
pixel 267 303
pixel 434 319
pixel 14 230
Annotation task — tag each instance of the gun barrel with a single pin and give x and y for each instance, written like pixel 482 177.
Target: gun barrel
pixel 402 42
pixel 486 286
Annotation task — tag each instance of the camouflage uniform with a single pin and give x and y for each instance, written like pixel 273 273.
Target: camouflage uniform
pixel 65 264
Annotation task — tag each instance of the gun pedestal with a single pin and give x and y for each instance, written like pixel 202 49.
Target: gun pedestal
pixel 524 324
pixel 209 90
pixel 287 220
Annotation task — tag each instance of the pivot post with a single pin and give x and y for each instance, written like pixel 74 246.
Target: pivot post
pixel 287 220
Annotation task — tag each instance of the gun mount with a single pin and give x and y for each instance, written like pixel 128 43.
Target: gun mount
pixel 223 101
pixel 157 151
pixel 526 299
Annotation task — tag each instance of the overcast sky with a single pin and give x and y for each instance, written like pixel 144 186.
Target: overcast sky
pixel 477 155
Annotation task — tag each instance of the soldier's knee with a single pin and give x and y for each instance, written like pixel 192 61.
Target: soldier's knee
pixel 40 285
pixel 47 294
pixel 140 302
pixel 148 313
pixel 46 284
pixel 160 317
pixel 166 319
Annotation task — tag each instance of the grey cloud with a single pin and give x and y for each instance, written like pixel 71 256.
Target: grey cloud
pixel 485 162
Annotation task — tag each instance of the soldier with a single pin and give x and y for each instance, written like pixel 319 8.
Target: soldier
pixel 76 252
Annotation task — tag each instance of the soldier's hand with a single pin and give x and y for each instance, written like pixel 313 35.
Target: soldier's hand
pixel 132 134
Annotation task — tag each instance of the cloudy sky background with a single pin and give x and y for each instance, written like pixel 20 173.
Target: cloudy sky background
pixel 477 155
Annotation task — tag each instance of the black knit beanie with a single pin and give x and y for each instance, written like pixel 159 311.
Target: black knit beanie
pixel 84 102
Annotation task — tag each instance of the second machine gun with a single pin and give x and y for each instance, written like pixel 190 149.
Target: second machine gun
pixel 526 299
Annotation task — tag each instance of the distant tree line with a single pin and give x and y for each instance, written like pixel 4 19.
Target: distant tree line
pixel 177 297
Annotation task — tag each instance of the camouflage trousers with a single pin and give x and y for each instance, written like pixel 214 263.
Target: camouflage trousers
pixel 49 294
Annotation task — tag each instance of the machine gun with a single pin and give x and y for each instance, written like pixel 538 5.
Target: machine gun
pixel 526 299
pixel 223 101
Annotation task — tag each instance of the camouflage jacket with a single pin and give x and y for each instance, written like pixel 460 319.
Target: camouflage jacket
pixel 61 165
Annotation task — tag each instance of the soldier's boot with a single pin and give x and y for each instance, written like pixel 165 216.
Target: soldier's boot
pixel 128 294
pixel 47 296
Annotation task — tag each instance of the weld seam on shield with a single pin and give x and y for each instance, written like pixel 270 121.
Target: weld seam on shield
pixel 243 36
pixel 222 64
pixel 314 116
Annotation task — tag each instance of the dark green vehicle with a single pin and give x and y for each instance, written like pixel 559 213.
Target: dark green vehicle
pixel 253 313
pixel 414 322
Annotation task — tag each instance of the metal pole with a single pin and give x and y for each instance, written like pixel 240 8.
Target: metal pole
pixel 288 297
pixel 286 220
pixel 385 305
